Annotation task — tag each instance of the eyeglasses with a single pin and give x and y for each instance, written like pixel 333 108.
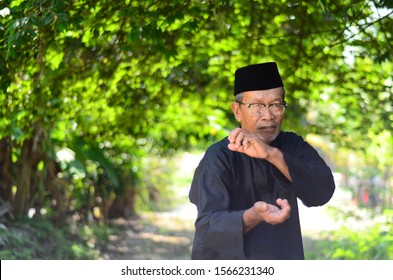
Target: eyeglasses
pixel 276 109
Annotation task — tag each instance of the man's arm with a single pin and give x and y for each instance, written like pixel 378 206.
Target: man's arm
pixel 248 143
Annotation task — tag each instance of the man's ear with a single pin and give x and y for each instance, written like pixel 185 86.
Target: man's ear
pixel 236 111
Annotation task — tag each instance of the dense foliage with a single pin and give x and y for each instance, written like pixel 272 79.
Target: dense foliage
pixel 354 242
pixel 39 239
pixel 92 89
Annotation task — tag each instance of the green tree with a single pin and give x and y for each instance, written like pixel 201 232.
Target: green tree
pixel 117 81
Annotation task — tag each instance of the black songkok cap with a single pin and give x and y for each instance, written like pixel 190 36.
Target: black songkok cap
pixel 257 77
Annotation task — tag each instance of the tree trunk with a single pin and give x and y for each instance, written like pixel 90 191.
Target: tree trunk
pixel 56 190
pixel 123 205
pixel 22 195
pixel 6 179
pixel 31 155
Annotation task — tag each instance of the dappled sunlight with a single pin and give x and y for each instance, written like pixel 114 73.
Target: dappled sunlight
pixel 154 236
pixel 160 238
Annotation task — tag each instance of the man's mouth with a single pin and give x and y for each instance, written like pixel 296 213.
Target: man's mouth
pixel 268 128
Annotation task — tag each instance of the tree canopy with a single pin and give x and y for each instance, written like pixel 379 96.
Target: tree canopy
pixel 91 88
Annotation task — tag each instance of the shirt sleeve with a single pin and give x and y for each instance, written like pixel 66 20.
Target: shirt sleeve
pixel 216 225
pixel 312 179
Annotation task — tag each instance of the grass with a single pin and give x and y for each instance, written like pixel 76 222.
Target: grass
pixel 39 239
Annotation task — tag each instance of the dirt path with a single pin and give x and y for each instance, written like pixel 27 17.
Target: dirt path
pixel 155 236
pixel 158 236
pixel 169 236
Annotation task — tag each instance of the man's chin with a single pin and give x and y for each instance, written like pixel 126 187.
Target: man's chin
pixel 268 137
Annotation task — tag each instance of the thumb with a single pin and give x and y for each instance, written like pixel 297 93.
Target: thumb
pixel 261 206
pixel 282 202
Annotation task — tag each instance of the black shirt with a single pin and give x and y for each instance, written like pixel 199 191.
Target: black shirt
pixel 226 183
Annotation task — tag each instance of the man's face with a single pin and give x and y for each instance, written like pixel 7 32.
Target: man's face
pixel 266 125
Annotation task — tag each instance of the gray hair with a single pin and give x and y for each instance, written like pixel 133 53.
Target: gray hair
pixel 239 96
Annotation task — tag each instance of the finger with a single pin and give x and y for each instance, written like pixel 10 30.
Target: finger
pixel 261 206
pixel 232 147
pixel 233 135
pixel 282 202
pixel 239 139
pixel 285 208
pixel 246 143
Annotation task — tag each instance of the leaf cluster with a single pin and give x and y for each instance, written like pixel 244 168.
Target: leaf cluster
pixel 371 243
pixel 117 81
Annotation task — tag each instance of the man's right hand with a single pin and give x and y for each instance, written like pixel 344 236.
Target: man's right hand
pixel 264 212
pixel 272 214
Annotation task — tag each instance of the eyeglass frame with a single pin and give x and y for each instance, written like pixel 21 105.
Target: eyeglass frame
pixel 248 105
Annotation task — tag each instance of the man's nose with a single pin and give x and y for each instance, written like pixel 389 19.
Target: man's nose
pixel 266 114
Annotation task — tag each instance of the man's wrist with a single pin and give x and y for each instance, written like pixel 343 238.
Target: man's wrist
pixel 250 219
pixel 271 153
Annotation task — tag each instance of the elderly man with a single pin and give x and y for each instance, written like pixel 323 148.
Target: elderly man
pixel 246 186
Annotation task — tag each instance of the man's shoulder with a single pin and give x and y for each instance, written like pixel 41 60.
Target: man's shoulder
pixel 216 157
pixel 219 147
pixel 289 134
pixel 288 137
pixel 288 141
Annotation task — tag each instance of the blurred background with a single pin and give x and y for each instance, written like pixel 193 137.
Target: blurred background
pixel 107 107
